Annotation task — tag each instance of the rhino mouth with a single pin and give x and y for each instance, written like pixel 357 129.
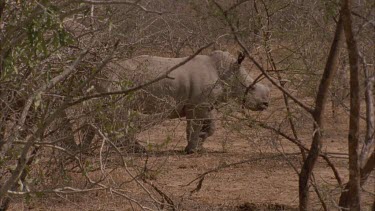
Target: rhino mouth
pixel 259 107
pixel 262 106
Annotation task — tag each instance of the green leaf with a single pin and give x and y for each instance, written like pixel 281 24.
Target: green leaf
pixel 37 101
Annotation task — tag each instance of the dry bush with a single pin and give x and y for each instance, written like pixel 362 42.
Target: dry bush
pixel 65 147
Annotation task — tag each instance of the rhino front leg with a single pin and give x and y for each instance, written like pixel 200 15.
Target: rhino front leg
pixel 207 130
pixel 193 130
pixel 198 127
pixel 208 127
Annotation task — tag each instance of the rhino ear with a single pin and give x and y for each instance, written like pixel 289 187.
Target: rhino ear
pixel 241 57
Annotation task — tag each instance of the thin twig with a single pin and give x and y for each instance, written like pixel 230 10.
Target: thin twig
pixel 317 191
pixel 266 38
pixel 162 194
pixel 297 142
pixel 125 165
pixel 23 157
pixel 63 190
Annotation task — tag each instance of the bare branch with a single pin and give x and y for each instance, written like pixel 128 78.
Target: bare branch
pixel 63 190
pixel 369 142
pixel 371 22
pixel 23 157
pixel 162 194
pixel 124 2
pixel 298 142
pixel 244 48
pixel 318 193
pixel 105 138
pixel 234 6
pixel 368 168
pixel 19 126
pixel 275 69
pixel 239 163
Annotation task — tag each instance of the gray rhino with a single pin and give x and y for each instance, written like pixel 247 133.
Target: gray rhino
pixel 192 90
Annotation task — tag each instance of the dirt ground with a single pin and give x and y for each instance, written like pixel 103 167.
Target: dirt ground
pixel 265 180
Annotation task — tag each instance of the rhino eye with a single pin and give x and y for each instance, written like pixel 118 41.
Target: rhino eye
pixel 250 88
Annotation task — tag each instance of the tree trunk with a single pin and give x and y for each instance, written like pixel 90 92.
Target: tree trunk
pixel 365 173
pixel 321 99
pixel 354 197
pixel 369 142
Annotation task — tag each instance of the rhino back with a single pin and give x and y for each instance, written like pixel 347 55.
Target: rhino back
pixel 194 82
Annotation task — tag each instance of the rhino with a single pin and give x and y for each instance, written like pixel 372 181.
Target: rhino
pixel 193 90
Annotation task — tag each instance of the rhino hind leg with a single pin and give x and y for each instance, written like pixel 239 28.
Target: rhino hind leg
pixel 133 146
pixel 128 144
pixel 88 137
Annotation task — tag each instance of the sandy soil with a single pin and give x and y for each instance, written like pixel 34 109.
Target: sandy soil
pixel 265 180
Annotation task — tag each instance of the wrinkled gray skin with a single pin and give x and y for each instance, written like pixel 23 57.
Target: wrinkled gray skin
pixel 192 90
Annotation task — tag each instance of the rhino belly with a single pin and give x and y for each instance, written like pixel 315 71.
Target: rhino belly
pixel 161 98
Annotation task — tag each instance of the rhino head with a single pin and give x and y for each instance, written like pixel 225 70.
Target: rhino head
pixel 250 93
